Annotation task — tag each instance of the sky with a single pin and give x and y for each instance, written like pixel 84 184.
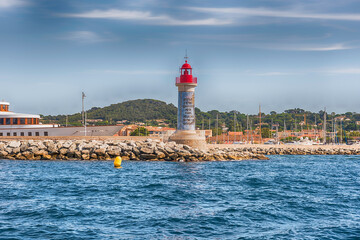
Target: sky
pixel 281 54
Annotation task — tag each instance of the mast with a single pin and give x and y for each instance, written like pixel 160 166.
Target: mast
pixel 83 112
pixel 332 129
pixel 247 128
pixel 260 123
pixel 251 132
pixel 325 126
pixel 217 128
pixel 234 127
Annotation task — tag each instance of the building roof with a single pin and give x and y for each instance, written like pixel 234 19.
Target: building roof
pixel 4 103
pixel 17 115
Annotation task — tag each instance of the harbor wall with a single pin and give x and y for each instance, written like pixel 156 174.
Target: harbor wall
pixel 291 149
pixel 81 149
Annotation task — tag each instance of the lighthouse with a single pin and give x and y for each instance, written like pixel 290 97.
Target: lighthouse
pixel 186 132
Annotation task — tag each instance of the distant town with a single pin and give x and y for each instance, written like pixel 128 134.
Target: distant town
pixel 147 117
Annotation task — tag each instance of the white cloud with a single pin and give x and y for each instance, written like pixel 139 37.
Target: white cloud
pixel 145 17
pixel 343 71
pixel 84 37
pixel 11 3
pixel 264 12
pixel 133 72
pixel 272 74
pixel 318 48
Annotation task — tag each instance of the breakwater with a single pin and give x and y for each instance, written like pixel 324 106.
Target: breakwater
pixel 108 149
pixel 292 149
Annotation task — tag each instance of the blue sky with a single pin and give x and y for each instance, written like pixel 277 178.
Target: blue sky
pixel 280 53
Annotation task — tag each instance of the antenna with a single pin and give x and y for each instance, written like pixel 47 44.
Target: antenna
pixel 186 56
pixel 83 112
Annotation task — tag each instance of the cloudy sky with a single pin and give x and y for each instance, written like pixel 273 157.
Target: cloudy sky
pixel 280 53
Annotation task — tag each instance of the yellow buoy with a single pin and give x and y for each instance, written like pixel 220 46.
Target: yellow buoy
pixel 117 162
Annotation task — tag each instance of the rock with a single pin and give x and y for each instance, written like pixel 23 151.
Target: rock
pixel 100 151
pixel 63 151
pixel 169 149
pixel 46 157
pixel 160 155
pixel 146 150
pixel 16 150
pixel 85 151
pixel 24 146
pixel 14 144
pixel 28 155
pixel 3 153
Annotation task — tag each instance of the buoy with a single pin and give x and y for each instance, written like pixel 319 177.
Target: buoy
pixel 117 162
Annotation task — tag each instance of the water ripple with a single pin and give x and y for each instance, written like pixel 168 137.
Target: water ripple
pixel 287 197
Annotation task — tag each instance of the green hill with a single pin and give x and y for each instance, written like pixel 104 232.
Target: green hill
pixel 140 110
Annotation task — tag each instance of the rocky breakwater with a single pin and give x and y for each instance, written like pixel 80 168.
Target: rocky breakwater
pixel 302 150
pixel 108 149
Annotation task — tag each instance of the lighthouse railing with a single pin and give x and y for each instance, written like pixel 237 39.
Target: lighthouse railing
pixel 194 80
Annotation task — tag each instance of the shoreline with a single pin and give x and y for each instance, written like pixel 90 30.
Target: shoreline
pixel 143 150
pixel 148 149
pixel 292 149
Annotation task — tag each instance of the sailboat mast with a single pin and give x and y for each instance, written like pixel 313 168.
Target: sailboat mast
pixel 260 123
pixel 325 126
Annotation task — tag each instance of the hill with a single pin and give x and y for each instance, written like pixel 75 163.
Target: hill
pixel 140 110
pixel 149 110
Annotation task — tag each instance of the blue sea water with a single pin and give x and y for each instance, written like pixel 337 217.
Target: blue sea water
pixel 286 197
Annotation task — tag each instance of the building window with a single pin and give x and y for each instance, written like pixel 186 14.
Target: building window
pixel 22 134
pixel 8 134
pixel 46 134
pixel 29 121
pixel 2 121
pixel 37 134
pixel 14 134
pixel 29 134
pixel 15 121
pixel 8 122
pixel 22 121
pixel 1 134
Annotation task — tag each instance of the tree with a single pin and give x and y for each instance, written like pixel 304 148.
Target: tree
pixel 265 133
pixel 141 131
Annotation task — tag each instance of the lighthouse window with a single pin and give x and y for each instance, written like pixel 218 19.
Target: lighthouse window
pixel 22 120
pixel 29 121
pixel 1 121
pixel 8 122
pixel 15 121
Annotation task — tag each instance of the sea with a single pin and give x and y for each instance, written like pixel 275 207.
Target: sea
pixel 286 197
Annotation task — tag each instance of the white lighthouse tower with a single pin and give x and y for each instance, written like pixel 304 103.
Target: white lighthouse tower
pixel 186 133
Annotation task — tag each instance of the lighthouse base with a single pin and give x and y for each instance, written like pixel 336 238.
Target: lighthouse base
pixel 190 138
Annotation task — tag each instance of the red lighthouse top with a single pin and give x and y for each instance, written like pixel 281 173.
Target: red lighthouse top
pixel 186 76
